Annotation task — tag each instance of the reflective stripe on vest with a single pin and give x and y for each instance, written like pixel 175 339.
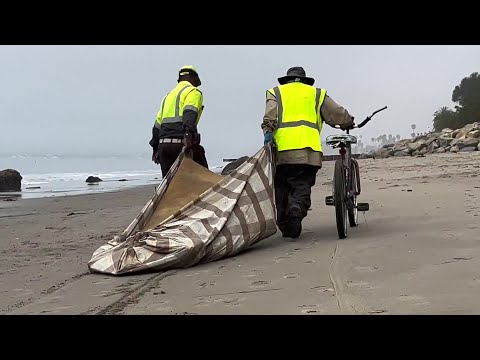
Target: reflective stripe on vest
pixel 177 118
pixel 299 126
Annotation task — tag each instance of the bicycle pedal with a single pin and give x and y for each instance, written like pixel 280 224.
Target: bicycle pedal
pixel 363 207
pixel 329 201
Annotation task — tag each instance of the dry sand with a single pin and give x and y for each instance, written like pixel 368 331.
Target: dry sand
pixel 417 251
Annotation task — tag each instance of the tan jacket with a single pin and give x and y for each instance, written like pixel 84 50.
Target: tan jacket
pixel 332 114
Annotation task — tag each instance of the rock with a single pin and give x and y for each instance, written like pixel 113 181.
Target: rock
pixel 444 141
pixel 416 146
pixel 432 147
pixel 447 148
pixel 473 134
pixel 123 180
pixel 32 187
pixel 423 151
pixel 440 150
pixel 363 156
pixel 431 140
pixel 401 153
pixel 382 153
pixel 468 148
pixel 468 142
pixel 10 180
pixel 454 149
pixel 447 130
pixel 455 133
pixel 478 147
pixel 93 179
pixel 229 168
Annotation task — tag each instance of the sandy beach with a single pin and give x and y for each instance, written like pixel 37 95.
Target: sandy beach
pixel 417 251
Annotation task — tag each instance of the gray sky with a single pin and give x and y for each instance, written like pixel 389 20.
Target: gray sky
pixel 104 99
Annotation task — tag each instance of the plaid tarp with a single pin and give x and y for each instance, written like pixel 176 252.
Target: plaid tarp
pixel 234 213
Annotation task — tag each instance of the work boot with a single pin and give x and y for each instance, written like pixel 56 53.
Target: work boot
pixel 283 227
pixel 295 218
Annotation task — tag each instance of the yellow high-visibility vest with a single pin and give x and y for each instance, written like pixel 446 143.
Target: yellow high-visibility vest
pixel 299 123
pixel 185 96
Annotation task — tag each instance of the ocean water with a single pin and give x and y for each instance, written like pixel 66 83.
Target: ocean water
pixel 45 176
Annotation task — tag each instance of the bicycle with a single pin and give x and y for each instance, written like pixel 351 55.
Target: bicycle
pixel 346 180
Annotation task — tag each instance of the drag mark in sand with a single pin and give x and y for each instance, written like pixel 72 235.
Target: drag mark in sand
pixel 132 296
pixel 48 291
pixel 332 279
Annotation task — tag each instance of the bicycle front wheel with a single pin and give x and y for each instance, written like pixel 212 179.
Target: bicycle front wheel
pixel 340 197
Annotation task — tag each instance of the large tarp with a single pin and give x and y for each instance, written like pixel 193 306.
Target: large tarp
pixel 195 216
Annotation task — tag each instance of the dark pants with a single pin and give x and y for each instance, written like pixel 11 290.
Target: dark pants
pixel 168 154
pixel 293 186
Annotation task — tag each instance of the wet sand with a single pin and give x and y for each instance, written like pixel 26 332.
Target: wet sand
pixel 417 251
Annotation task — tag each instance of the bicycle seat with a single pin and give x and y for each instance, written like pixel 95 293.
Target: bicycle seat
pixel 336 140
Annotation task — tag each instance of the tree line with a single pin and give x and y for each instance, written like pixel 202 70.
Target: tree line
pixel 466 96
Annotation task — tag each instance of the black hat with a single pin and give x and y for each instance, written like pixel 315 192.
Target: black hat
pixel 187 70
pixel 294 73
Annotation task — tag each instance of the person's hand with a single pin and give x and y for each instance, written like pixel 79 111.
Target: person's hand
pixel 187 142
pixel 268 137
pixel 155 158
pixel 348 127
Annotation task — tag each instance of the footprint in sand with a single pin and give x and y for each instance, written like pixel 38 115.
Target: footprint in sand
pixel 290 276
pixel 204 285
pixel 309 309
pixel 260 283
pixel 281 258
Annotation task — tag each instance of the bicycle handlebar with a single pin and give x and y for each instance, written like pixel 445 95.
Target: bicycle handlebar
pixel 364 122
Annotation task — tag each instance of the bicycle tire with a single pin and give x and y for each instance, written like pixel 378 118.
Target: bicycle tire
pixel 339 196
pixel 353 212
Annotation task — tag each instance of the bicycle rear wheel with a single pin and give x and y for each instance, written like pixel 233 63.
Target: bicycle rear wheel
pixel 340 197
pixel 355 183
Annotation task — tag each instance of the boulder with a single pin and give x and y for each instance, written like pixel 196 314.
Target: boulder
pixel 468 142
pixel 454 149
pixel 468 148
pixel 440 150
pixel 93 179
pixel 444 141
pixel 381 153
pixel 416 146
pixel 401 153
pixel 423 151
pixel 473 134
pixel 432 147
pixel 10 180
pixel 229 168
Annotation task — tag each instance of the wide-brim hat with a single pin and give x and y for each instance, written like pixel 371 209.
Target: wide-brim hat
pixel 295 73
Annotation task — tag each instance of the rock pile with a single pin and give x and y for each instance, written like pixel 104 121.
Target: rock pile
pixel 448 140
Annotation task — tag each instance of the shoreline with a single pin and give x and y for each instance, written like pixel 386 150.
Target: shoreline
pixel 415 251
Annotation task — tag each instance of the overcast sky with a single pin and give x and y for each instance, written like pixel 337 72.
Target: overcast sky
pixel 104 99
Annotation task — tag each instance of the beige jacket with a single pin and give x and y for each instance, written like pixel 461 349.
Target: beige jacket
pixel 332 114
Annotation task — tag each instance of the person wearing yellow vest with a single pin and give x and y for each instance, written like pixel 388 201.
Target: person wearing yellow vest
pixel 176 123
pixel 294 115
